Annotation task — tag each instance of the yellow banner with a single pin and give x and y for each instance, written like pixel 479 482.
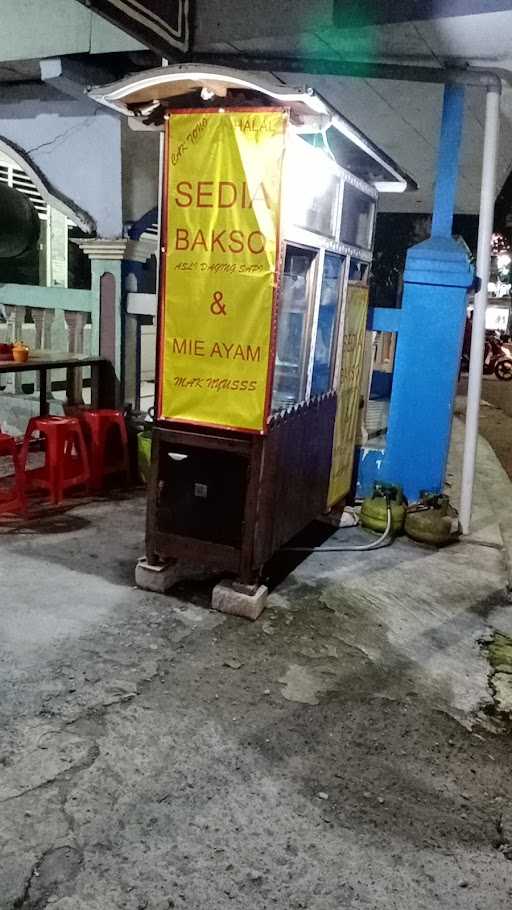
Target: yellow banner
pixel 221 237
pixel 345 428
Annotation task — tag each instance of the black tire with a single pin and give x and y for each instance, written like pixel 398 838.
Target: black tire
pixel 503 369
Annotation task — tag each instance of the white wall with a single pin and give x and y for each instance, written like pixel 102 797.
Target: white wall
pixel 33 29
pixel 140 172
pixel 77 146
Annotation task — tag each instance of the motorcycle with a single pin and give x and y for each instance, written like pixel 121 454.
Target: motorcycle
pixel 497 357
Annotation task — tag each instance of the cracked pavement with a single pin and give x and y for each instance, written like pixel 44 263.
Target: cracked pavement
pixel 339 753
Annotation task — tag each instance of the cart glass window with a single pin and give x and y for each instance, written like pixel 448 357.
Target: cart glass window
pixel 325 345
pixel 358 271
pixel 312 190
pixel 295 305
pixel 357 214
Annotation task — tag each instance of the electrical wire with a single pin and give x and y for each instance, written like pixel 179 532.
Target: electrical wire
pixel 377 544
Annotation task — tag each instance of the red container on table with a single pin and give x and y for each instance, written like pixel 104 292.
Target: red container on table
pixel 6 352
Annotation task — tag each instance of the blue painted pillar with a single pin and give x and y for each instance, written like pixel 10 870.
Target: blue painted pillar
pixel 448 161
pixel 437 277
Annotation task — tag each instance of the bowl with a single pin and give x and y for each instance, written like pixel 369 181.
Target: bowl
pixel 20 354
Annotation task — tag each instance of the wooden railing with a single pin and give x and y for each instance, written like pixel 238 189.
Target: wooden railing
pixel 63 320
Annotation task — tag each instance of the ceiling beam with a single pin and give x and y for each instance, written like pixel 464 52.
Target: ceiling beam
pixel 72 77
pixel 324 66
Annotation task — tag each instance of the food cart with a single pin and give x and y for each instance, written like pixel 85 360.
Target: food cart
pixel 268 207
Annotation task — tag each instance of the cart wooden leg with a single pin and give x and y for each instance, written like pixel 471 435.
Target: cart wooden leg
pixel 152 502
pixel 248 576
pixel 151 573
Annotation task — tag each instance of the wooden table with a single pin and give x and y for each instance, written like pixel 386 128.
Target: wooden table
pixel 102 376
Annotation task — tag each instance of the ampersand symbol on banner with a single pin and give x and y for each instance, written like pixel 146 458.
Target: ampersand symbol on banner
pixel 217 307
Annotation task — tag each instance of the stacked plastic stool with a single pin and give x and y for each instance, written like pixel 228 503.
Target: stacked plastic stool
pixel 66 463
pixel 12 495
pixel 107 445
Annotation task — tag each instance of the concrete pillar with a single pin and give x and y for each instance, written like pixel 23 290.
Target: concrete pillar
pixel 137 254
pixel 109 338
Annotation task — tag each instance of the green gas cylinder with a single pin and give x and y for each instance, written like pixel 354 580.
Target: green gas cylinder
pixel 374 510
pixel 433 520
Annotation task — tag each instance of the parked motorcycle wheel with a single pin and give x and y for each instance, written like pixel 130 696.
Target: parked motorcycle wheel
pixel 503 369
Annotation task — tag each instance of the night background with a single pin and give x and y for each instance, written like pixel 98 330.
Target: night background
pixel 395 233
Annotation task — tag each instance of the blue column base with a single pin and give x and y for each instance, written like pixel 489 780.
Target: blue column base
pixel 437 277
pixel 369 464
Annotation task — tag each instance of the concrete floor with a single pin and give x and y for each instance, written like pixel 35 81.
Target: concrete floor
pixel 339 753
pixel 495 416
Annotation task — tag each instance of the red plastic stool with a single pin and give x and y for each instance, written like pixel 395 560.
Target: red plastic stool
pixel 66 461
pixel 12 499
pixel 107 444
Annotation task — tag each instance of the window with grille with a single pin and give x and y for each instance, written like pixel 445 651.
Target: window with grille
pixel 57 262
pixel 13 176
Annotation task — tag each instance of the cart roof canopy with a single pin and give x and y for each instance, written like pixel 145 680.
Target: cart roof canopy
pixel 148 96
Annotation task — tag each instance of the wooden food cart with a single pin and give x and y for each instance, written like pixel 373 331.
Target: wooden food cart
pixel 268 207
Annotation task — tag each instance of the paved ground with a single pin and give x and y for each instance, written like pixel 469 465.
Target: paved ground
pixel 497 393
pixel 339 753
pixel 496 417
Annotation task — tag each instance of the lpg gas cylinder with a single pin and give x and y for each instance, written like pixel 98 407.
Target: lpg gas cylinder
pixel 374 510
pixel 433 520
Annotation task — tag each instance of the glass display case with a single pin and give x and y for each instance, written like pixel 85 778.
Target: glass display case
pixel 357 217
pixel 329 231
pixel 315 207
pixel 295 304
pixel 328 222
pixel 328 316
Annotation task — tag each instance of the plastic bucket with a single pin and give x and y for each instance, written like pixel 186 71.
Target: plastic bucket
pixel 144 454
